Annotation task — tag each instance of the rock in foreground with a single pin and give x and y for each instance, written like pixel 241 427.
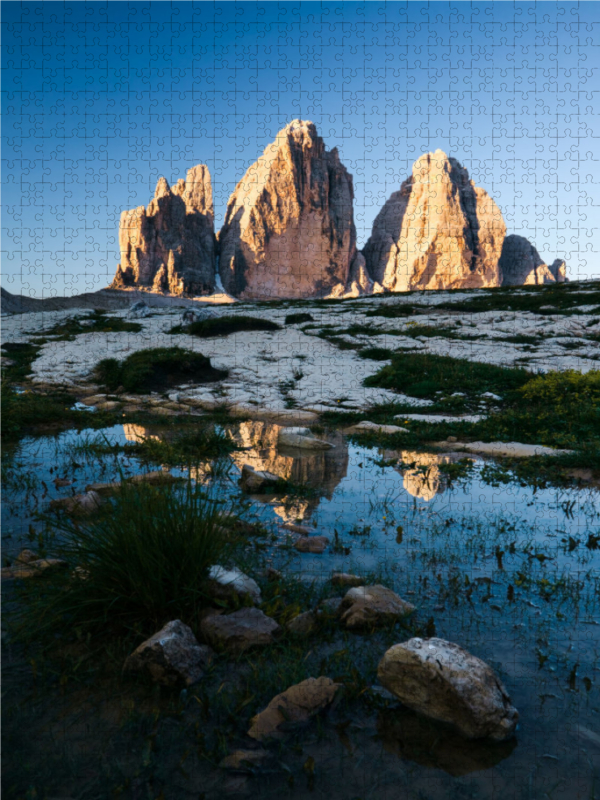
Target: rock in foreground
pixel 441 680
pixel 254 480
pixel 235 633
pixel 294 706
pixel 171 656
pixel 365 606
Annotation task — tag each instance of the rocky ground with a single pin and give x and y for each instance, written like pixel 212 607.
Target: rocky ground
pixel 316 365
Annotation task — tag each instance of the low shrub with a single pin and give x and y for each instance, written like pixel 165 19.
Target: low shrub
pixel 294 319
pixel 222 326
pixel 156 369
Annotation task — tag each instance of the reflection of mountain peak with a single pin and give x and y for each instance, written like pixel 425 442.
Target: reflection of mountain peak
pixel 425 480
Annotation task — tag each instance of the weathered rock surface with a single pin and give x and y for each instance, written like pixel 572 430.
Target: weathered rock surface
pixel 229 584
pixel 289 228
pixel 244 760
pixel 303 624
pixel 441 680
pixel 311 544
pixel 346 579
pixel 171 656
pixel 236 632
pixel 170 245
pixel 365 606
pixel 154 477
pixel 254 480
pixel 27 567
pixel 520 264
pixel 373 427
pixel 439 231
pixel 294 706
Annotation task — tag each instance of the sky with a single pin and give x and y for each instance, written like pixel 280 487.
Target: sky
pixel 101 99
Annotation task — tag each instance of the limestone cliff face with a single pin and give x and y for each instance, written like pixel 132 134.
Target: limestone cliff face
pixel 520 264
pixel 439 231
pixel 170 245
pixel 289 228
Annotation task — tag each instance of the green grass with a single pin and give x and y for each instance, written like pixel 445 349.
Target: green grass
pixel 424 374
pixel 144 557
pixel 22 411
pixel 156 369
pixel 564 299
pixel 96 322
pixel 222 326
pixel 296 319
pixel 376 353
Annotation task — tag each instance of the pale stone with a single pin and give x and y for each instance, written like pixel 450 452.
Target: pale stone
pixel 171 656
pixel 170 245
pixel 294 706
pixel 291 437
pixel 227 583
pixel 33 568
pixel 439 231
pixel 506 449
pixel 303 624
pixel 154 477
pixel 365 606
pixel 289 229
pixel 253 480
pixel 237 632
pixel 441 680
pixel 373 427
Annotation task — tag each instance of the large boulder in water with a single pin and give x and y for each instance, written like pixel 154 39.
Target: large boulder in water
pixel 439 231
pixel 289 229
pixel 442 681
pixel 170 245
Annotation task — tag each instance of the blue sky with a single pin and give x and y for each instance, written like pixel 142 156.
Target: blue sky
pixel 100 99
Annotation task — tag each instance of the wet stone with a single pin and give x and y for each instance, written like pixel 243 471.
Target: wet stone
pixel 365 606
pixel 237 632
pixel 311 544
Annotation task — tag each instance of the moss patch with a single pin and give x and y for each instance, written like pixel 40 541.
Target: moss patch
pixel 222 326
pixel 157 369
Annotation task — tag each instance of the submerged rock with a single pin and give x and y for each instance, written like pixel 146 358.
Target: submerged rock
pixel 441 680
pixel 237 632
pixel 171 656
pixel 311 544
pixel 31 568
pixel 439 231
pixel 301 438
pixel 294 706
pixel 244 760
pixel 253 480
pixel 365 606
pixel 79 504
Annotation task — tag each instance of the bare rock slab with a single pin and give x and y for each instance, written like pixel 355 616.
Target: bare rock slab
pixel 171 656
pixel 294 706
pixel 374 427
pixel 365 606
pixel 441 680
pixel 237 632
pixel 79 504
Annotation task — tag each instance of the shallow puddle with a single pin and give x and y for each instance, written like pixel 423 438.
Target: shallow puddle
pixel 508 572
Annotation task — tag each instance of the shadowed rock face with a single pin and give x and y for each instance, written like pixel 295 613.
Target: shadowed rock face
pixel 170 245
pixel 440 231
pixel 520 264
pixel 289 229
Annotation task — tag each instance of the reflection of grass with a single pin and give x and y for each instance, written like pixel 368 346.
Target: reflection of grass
pixel 156 369
pixel 222 326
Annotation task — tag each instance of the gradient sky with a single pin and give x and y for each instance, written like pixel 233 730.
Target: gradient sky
pixel 101 99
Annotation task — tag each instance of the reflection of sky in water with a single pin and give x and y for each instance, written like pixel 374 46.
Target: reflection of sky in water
pixel 438 543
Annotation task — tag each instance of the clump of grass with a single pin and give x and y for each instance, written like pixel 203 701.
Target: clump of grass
pixel 425 374
pixel 156 369
pixel 296 319
pixel 376 353
pixel 22 354
pixel 222 326
pixel 142 561
pixel 397 310
pixel 561 298
pixel 22 411
pixel 198 442
pixel 96 322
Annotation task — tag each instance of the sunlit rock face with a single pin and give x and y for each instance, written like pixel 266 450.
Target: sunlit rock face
pixel 439 231
pixel 321 469
pixel 289 229
pixel 170 245
pixel 521 264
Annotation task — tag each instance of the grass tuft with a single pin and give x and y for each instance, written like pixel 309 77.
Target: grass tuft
pixel 222 326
